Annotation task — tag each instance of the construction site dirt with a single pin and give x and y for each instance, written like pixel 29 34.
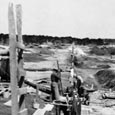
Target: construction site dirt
pixel 39 63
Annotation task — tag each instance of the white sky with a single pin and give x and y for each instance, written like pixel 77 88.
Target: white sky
pixel 77 18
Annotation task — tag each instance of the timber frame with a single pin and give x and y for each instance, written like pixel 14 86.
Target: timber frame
pixel 17 73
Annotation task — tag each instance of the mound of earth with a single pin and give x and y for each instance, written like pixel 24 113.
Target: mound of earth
pixel 102 50
pixel 99 51
pixel 33 57
pixel 45 51
pixel 106 78
pixel 111 50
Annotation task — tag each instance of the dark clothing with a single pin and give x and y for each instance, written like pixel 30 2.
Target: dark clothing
pixel 55 85
pixel 76 107
pixel 54 77
pixel 5 70
pixel 64 110
pixel 55 89
pixel 76 86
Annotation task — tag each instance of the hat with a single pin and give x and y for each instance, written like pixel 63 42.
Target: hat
pixel 55 70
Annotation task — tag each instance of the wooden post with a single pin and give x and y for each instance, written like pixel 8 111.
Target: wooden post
pixel 73 48
pixel 17 72
pixel 19 22
pixel 72 54
pixel 21 72
pixel 13 60
pixel 76 104
pixel 37 93
pixel 60 82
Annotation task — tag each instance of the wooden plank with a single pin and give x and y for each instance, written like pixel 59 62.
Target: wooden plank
pixel 20 46
pixel 37 93
pixel 73 55
pixel 21 72
pixel 20 58
pixel 22 91
pixel 4 52
pixel 41 111
pixel 19 22
pixel 59 72
pixel 23 112
pixel 13 61
pixel 73 48
pixel 19 31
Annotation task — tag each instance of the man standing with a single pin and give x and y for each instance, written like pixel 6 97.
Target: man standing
pixel 56 95
pixel 55 85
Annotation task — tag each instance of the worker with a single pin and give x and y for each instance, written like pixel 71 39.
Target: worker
pixel 82 92
pixel 56 94
pixel 75 91
pixel 55 86
pixel 78 80
pixel 76 83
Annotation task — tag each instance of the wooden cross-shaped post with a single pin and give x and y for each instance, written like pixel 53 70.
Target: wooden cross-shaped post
pixel 13 60
pixel 17 72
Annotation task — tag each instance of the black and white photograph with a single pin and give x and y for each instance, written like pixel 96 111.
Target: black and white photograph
pixel 57 57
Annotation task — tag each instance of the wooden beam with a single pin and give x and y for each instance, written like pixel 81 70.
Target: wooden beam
pixel 37 93
pixel 19 22
pixel 60 82
pixel 13 60
pixel 22 91
pixel 73 55
pixel 22 109
pixel 23 112
pixel 20 46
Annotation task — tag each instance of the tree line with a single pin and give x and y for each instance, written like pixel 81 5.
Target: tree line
pixel 4 39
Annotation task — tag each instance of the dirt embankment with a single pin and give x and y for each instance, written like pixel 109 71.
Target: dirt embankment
pixel 102 50
pixel 106 78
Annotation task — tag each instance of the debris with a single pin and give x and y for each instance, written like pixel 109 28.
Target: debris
pixel 109 95
pixel 39 111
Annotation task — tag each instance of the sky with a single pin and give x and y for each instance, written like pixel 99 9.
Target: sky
pixel 76 18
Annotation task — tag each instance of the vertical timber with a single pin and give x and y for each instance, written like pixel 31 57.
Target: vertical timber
pixel 17 72
pixel 13 60
pixel 21 72
pixel 19 22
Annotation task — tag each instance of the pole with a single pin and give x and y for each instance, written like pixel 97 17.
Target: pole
pixel 13 60
pixel 60 82
pixel 21 72
pixel 76 104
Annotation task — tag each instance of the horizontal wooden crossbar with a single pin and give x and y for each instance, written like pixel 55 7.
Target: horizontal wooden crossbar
pixel 23 112
pixel 20 46
pixel 22 91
